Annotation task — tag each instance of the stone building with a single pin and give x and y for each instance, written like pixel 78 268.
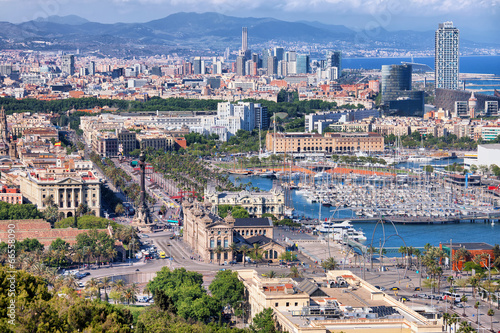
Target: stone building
pixel 68 189
pixel 206 233
pixel 256 203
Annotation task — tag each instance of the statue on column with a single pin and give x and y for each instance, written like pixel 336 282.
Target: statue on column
pixel 142 219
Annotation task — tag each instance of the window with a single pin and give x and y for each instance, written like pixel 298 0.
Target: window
pixel 296 303
pixel 226 243
pixel 212 243
pixel 276 304
pixel 218 242
pixel 287 304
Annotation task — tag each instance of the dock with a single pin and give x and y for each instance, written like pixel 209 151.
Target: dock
pixel 490 218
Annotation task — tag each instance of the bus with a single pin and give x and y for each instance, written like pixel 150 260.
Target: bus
pixel 162 255
pixel 172 222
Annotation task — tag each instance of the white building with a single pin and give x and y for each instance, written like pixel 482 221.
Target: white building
pixel 486 155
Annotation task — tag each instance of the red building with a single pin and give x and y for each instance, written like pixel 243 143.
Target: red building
pixel 474 250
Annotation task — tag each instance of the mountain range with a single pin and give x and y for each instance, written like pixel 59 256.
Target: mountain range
pixel 207 31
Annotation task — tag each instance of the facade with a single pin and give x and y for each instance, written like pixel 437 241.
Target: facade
pixel 447 56
pixel 11 195
pixel 339 302
pixel 303 66
pixel 68 189
pixel 156 141
pixel 321 120
pixel 68 64
pixel 446 99
pixel 126 141
pixel 486 155
pixel 256 203
pixel 42 231
pixel 330 143
pixel 334 59
pixel 398 98
pixel 474 250
pixel 206 232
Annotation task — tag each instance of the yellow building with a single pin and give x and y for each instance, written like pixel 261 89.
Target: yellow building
pixel 330 143
pixel 256 203
pixel 205 232
pixel 68 189
pixel 339 302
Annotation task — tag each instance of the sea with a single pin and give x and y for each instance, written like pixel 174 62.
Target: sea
pixel 413 235
pixel 468 64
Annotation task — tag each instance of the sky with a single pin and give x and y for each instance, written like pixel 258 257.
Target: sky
pixel 474 16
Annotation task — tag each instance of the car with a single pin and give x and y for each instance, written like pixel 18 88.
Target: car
pixel 418 289
pixel 395 288
pixel 382 288
pixel 404 299
pixel 145 236
pixel 423 295
pixel 459 305
pixel 378 287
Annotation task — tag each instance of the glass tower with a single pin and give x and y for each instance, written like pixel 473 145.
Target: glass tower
pixel 447 56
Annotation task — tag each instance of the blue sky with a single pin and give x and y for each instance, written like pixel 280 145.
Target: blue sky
pixel 473 16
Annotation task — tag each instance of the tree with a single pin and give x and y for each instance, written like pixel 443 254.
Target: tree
pixel 244 250
pixel 218 251
pixel 271 274
pixel 446 320
pixel 329 264
pixel 263 322
pixel 490 314
pixel 51 214
pixel 256 253
pixel 463 299
pixel 119 209
pixel 294 272
pixel 227 289
pixel 476 306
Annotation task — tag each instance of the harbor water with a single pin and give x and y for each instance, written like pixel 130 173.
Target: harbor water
pixel 413 235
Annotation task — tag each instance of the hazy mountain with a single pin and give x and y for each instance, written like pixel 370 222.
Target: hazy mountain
pixel 69 19
pixel 193 31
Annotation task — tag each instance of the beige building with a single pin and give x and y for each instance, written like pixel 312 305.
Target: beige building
pixel 157 141
pixel 352 127
pixel 339 302
pixel 388 129
pixel 68 189
pixel 204 232
pixel 330 143
pixel 256 203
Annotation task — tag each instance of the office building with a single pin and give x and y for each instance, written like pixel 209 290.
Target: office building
pixel 91 68
pixel 244 39
pixel 334 59
pixel 446 98
pixel 337 302
pixel 302 64
pixel 330 143
pixel 240 65
pixel 461 109
pixel 491 108
pixel 447 56
pixel 197 66
pixel 398 98
pixel 66 187
pixel 68 64
pixel 272 65
pixel 279 53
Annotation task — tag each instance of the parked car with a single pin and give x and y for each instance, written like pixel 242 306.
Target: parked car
pixel 395 288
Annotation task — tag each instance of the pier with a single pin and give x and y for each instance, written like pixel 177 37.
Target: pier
pixel 490 218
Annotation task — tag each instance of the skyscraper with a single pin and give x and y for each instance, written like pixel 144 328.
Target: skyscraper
pixel 302 64
pixel 279 53
pixel 244 39
pixel 398 98
pixel 240 65
pixel 334 59
pixel 197 65
pixel 68 64
pixel 447 56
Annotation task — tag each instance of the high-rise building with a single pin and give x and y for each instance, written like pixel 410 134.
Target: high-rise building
pixel 244 39
pixel 302 64
pixel 447 56
pixel 397 96
pixel 91 68
pixel 197 66
pixel 68 64
pixel 272 65
pixel 279 53
pixel 334 59
pixel 240 65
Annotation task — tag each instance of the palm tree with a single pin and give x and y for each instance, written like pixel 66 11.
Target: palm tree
pixel 294 272
pixel 92 286
pixel 244 250
pixel 490 314
pixel 329 264
pixel 105 283
pixel 402 250
pixel 218 251
pixel 476 306
pixel 461 255
pixel 453 321
pixel 271 274
pixel 233 248
pixel 118 285
pixel 371 250
pixel 450 280
pixel 256 253
pixel 446 320
pixel 463 299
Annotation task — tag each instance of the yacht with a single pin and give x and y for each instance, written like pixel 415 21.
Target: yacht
pixel 331 227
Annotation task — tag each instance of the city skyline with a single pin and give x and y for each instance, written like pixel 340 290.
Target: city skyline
pixel 385 14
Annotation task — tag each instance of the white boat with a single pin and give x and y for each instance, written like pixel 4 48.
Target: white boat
pixel 331 227
pixel 321 174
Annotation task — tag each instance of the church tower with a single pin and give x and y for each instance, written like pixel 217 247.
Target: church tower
pixel 3 125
